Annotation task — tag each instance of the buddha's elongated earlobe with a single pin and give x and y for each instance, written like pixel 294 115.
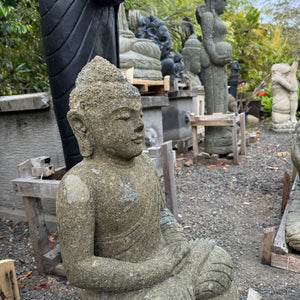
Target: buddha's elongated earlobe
pixel 84 137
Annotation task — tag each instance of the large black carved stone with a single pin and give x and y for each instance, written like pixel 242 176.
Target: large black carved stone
pixel 74 32
pixel 154 29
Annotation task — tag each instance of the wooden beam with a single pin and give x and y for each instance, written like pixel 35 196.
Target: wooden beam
pixel 169 178
pixel 290 262
pixel 212 122
pixel 234 145
pixel 267 245
pixel 8 281
pixel 286 182
pixel 243 133
pixel 37 230
pixel 33 187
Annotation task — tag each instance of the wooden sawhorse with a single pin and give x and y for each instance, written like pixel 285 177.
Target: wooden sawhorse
pixel 221 120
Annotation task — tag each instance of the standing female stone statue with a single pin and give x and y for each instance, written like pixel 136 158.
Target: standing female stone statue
pixel 74 32
pixel 216 53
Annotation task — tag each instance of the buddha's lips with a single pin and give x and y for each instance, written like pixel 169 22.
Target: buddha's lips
pixel 138 140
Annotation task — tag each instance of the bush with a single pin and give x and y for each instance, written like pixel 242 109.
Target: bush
pixel 22 65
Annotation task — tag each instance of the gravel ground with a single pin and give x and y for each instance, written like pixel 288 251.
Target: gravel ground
pixel 229 204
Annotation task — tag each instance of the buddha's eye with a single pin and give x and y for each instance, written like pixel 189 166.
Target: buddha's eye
pixel 124 118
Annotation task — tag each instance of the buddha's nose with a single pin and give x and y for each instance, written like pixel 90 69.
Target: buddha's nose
pixel 139 127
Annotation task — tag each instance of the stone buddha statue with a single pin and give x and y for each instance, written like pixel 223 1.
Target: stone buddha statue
pixel 117 238
pixel 139 53
pixel 191 59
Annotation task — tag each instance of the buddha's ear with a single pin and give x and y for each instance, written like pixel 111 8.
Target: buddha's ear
pixel 83 135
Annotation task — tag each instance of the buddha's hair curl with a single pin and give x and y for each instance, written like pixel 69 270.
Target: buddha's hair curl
pixel 100 82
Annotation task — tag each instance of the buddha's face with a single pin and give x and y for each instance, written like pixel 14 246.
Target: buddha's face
pixel 220 6
pixel 121 133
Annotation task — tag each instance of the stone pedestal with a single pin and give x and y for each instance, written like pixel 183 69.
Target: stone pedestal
pixel 176 119
pixel 153 120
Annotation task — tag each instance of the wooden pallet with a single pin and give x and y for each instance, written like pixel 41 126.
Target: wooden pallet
pixel 153 87
pixel 276 252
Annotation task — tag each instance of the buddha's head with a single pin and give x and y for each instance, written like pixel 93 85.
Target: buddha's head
pixel 191 55
pixel 105 113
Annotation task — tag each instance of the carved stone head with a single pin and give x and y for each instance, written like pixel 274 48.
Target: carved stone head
pixel 105 113
pixel 191 54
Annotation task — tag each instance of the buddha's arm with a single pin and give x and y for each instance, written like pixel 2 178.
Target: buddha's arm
pixel 175 238
pixel 208 41
pixel 76 224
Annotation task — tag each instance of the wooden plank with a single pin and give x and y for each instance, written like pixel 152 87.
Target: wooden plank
pixel 32 187
pixel 169 178
pixel 216 117
pixel 137 81
pixel 234 145
pixel 267 245
pixel 197 122
pixel 286 182
pixel 8 281
pixel 167 83
pixel 243 133
pixel 37 230
pixel 290 262
pixel 295 172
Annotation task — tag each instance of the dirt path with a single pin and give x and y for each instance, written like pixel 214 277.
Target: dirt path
pixel 229 204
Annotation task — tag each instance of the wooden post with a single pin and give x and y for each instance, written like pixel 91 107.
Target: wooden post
pixel 169 178
pixel 8 281
pixel 234 144
pixel 37 229
pixel 194 137
pixel 267 245
pixel 243 133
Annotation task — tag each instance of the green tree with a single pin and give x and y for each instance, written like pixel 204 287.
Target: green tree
pixel 256 46
pixel 287 14
pixel 22 66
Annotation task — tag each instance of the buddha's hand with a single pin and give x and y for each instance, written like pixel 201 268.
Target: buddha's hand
pixel 175 254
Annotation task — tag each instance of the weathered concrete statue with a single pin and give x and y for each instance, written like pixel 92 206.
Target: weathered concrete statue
pixel 285 96
pixel 141 54
pixel 292 225
pixel 74 32
pixel 216 53
pixel 191 59
pixel 118 240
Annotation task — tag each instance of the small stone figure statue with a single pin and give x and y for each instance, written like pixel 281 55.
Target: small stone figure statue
pixel 117 238
pixel 285 96
pixel 178 66
pixel 292 225
pixel 191 59
pixel 216 53
pixel 235 78
pixel 73 33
